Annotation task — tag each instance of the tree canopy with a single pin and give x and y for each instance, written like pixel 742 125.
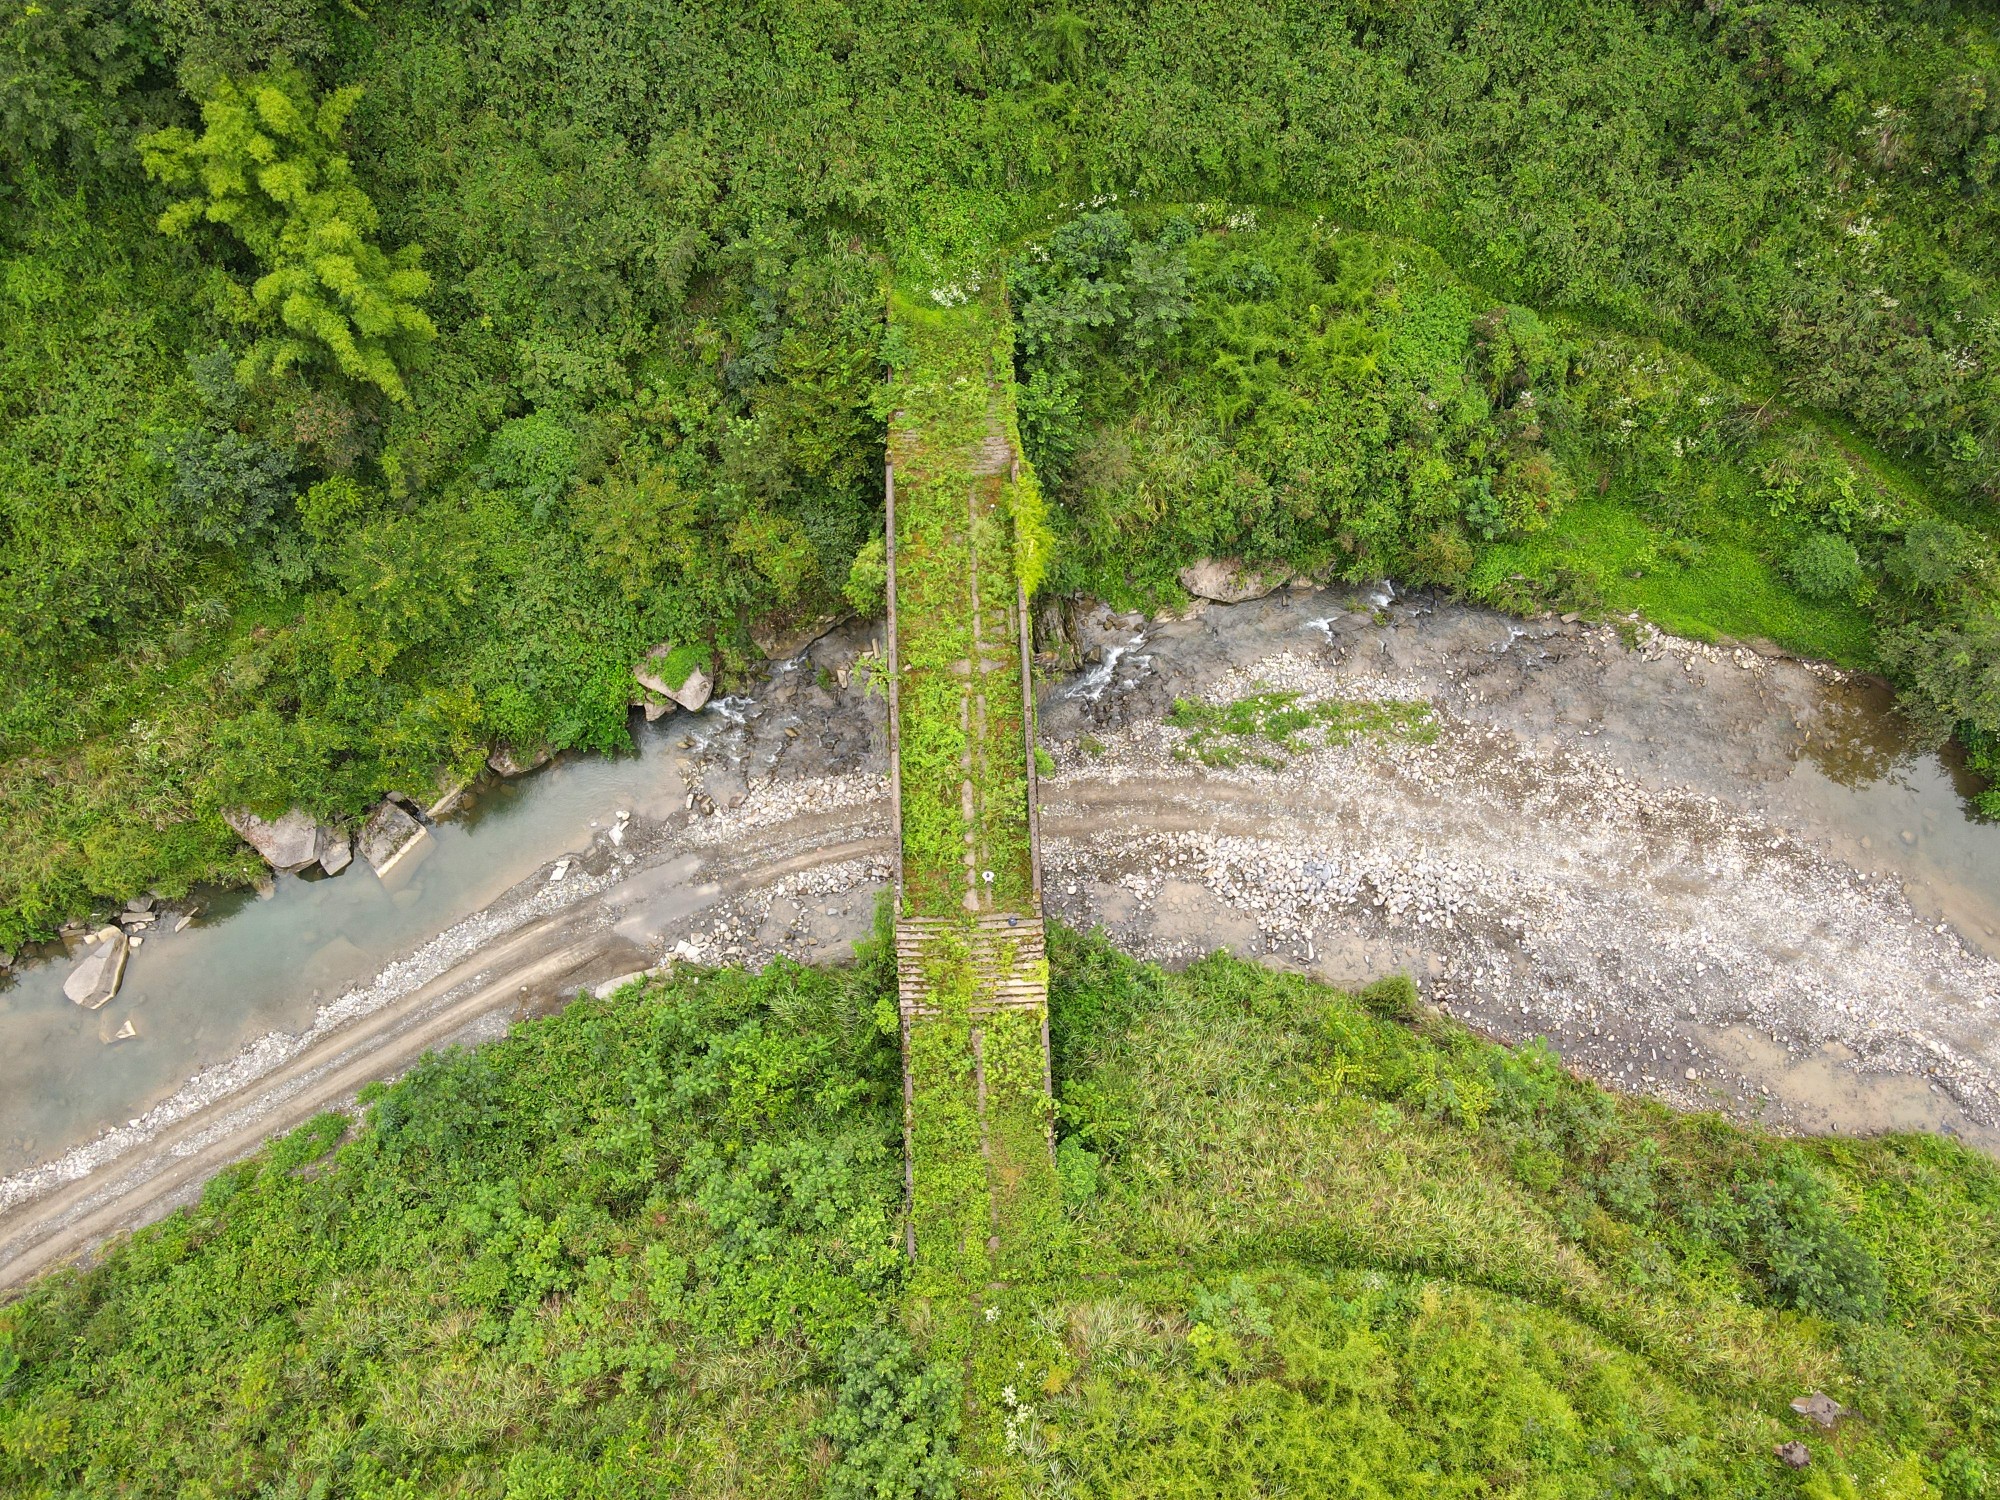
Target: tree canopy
pixel 1626 305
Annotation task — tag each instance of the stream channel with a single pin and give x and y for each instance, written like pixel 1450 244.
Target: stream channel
pixel 247 967
pixel 1863 787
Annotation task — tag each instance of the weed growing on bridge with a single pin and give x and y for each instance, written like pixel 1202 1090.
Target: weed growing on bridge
pixel 952 1204
pixel 971 541
pixel 950 396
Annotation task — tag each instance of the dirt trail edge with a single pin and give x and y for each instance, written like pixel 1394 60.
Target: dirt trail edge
pixel 539 964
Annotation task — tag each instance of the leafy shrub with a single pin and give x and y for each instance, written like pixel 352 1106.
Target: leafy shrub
pixel 867 588
pixel 1934 558
pixel 1825 566
pixel 336 507
pixel 213 38
pixel 1796 1242
pixel 1076 1169
pixel 536 457
pixel 1394 998
pixel 1092 279
pixel 228 490
pixel 643 526
pixel 1052 424
pixel 76 83
pixel 1812 484
pixel 269 169
pixel 895 1420
pixel 1629 1186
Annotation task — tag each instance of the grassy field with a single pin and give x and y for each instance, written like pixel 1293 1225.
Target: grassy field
pixel 1313 1244
pixel 1722 585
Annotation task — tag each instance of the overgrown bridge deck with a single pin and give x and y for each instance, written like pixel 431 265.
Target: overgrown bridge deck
pixel 972 974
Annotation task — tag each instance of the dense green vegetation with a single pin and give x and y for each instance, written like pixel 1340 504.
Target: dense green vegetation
pixel 378 386
pixel 1340 402
pixel 1313 1244
pixel 558 340
pixel 1270 727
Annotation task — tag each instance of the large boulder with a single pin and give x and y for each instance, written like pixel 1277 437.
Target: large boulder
pixel 335 850
pixel 287 843
pixel 504 761
pixel 1226 580
pixel 388 835
pixel 95 980
pixel 781 639
pixel 692 689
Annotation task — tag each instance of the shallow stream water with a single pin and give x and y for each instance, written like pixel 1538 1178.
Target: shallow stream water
pixel 248 967
pixel 1888 805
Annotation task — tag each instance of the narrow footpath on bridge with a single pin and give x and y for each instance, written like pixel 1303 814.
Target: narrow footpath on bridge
pixel 965 530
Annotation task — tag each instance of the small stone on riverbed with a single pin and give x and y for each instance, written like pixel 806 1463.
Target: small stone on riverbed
pixel 288 842
pixel 336 851
pixel 505 762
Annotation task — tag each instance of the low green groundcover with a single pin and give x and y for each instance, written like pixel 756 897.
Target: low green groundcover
pixel 1315 1244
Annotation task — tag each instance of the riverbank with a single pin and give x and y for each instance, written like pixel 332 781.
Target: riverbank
pixel 1561 820
pixel 654 1245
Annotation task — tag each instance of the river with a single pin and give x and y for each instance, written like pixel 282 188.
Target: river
pixel 1861 784
pixel 246 967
